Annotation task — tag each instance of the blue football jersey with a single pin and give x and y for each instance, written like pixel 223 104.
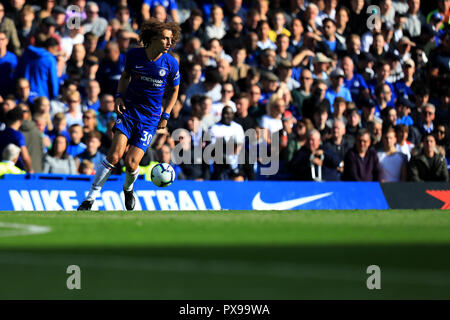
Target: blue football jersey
pixel 145 91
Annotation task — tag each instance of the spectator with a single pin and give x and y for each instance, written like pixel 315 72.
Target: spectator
pixel 239 68
pixel 272 120
pixel 354 81
pixel 11 134
pixel 8 28
pixel 403 107
pixel 159 12
pixel 170 6
pixel 92 153
pixel 414 19
pixel 75 64
pixel 210 87
pixel 403 145
pixel 92 100
pixel 304 92
pixel 23 92
pixel 375 128
pixel 194 168
pixel 428 164
pixel 295 42
pixel 320 118
pixel 331 41
pixel 226 131
pixel 227 95
pixel 57 160
pixel 383 95
pixel 8 63
pixel 73 114
pixel 427 116
pixel 392 162
pixel 33 139
pixel 361 162
pixel 234 7
pixel 264 42
pixel 193 27
pixel 10 155
pixel 123 15
pixel 339 108
pixel 298 139
pixel 315 162
pixel 75 146
pixel 216 27
pixel 337 89
pixel 316 99
pixel 234 37
pixel 38 66
pixel 443 138
pixel 41 124
pixel 59 127
pixel 87 167
pixel 105 113
pixel 93 23
pixel 111 68
pixel 279 21
pixel 90 69
pixel 242 116
pixel 284 72
pixel 340 143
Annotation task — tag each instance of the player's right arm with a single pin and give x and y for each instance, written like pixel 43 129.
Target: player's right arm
pixel 124 81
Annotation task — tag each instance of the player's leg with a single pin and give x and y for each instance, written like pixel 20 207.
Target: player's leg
pixel 115 153
pixel 139 142
pixel 132 160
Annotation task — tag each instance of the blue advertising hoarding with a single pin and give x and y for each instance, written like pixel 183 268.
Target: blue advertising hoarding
pixel 50 195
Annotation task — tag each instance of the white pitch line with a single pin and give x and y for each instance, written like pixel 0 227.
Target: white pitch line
pixel 20 229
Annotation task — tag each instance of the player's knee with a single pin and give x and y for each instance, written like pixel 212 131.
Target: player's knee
pixel 113 158
pixel 131 164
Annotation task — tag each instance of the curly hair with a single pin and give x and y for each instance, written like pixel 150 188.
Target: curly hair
pixel 153 28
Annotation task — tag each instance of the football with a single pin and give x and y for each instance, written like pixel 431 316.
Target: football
pixel 163 175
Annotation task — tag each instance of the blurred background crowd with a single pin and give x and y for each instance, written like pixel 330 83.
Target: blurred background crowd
pixel 347 98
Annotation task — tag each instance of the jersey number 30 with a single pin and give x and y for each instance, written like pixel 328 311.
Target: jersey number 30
pixel 146 138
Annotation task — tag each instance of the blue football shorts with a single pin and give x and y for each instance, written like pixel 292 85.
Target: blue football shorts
pixel 139 134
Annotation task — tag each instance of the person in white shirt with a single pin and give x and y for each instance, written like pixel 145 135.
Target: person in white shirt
pixel 392 163
pixel 216 27
pixel 272 120
pixel 224 134
pixel 403 145
pixel 227 95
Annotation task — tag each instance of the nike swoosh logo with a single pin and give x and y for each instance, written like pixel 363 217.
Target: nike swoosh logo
pixel 258 204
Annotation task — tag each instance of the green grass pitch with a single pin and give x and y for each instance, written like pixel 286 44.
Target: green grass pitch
pixel 226 254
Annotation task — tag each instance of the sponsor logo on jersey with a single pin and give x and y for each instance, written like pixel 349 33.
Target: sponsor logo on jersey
pixel 155 82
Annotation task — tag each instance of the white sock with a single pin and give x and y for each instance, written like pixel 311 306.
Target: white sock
pixel 103 171
pixel 130 178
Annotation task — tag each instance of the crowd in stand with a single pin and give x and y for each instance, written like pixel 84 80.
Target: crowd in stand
pixel 345 98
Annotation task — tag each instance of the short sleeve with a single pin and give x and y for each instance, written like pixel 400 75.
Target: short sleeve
pixel 174 74
pixel 21 139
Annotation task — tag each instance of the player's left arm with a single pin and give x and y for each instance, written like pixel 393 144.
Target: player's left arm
pixel 170 102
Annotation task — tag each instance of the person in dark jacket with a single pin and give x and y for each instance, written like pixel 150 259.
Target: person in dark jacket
pixel 315 162
pixel 361 162
pixel 429 164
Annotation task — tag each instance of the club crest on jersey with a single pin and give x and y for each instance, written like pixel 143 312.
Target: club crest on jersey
pixel 118 121
pixel 162 72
